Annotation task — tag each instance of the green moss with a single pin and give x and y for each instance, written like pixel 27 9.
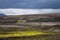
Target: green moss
pixel 25 33
pixel 20 21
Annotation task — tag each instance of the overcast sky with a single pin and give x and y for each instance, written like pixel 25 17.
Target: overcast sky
pixel 22 7
pixel 34 4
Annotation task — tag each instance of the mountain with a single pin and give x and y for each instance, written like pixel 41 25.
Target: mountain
pixel 1 14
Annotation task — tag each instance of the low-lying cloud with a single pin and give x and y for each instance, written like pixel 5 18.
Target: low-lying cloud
pixel 12 11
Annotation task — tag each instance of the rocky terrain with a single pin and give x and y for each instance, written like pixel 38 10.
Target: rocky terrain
pixel 40 22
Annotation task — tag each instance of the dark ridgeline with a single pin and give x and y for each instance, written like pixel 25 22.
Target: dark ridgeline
pixel 1 14
pixel 4 19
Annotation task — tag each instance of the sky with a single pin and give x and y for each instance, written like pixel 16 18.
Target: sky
pixel 20 7
pixel 30 4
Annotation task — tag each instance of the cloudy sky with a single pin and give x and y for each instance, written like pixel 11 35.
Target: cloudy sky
pixel 26 6
pixel 36 4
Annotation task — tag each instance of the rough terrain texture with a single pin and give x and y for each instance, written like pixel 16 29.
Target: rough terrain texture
pixel 46 23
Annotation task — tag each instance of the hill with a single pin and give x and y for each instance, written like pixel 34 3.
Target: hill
pixel 26 27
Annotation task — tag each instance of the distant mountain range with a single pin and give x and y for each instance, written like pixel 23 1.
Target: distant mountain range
pixel 1 14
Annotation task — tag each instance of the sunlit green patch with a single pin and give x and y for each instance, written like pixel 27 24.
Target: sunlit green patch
pixel 20 21
pixel 24 33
